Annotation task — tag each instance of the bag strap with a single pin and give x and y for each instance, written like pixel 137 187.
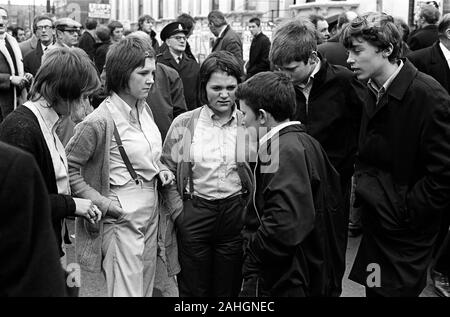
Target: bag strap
pixel 124 156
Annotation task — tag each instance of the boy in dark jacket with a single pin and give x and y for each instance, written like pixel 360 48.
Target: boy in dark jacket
pixel 291 246
pixel 329 101
pixel 403 160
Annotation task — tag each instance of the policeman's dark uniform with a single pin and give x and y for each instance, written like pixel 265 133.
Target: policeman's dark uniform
pixel 187 68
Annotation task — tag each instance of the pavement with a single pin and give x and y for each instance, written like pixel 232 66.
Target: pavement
pixel 93 285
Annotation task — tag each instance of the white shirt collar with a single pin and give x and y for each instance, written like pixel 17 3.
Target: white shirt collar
pixel 388 82
pixel 269 135
pixel 445 51
pixel 48 114
pixel 313 74
pixel 223 31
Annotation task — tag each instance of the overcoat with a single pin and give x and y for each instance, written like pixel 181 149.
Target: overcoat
pixel 404 182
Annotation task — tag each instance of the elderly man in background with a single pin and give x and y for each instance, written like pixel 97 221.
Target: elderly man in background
pixel 43 29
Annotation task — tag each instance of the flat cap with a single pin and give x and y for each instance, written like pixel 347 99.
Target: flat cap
pixel 67 24
pixel 172 29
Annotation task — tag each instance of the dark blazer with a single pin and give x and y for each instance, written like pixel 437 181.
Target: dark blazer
pixel 231 42
pixel 32 61
pixel 166 97
pixel 424 37
pixel 431 61
pixel 87 43
pixel 334 52
pixel 404 181
pixel 333 113
pixel 295 251
pixel 189 71
pixel 100 55
pixel 259 55
pixel 21 128
pixel 30 265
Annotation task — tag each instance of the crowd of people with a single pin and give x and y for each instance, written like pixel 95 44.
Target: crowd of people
pixel 230 177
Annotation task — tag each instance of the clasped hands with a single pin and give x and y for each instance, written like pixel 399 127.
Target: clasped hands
pixel 22 81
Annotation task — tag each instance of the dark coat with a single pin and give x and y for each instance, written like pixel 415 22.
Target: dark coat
pixel 404 181
pixel 432 61
pixel 189 71
pixel 32 61
pixel 259 55
pixel 21 128
pixel 166 97
pixel 188 50
pixel 334 52
pixel 231 42
pixel 30 263
pixel 424 37
pixel 88 44
pixel 100 55
pixel 333 113
pixel 296 251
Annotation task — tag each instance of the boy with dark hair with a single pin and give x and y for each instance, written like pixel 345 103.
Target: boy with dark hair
pixel 403 158
pixel 329 100
pixel 291 244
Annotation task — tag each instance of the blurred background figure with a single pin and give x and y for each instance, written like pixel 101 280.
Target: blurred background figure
pixel 426 33
pixel 189 23
pixel 116 29
pixel 145 23
pixel 333 50
pixel 19 34
pixel 104 35
pixel 259 50
pixel 321 24
pixel 88 39
pixel 13 79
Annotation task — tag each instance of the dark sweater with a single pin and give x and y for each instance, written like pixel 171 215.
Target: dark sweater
pixel 21 128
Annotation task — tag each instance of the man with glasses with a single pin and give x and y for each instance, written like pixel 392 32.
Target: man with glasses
pixel 68 32
pixel 174 36
pixel 13 79
pixel 329 104
pixel 43 29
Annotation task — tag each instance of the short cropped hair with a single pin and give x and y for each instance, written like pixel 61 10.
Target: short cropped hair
pixel 430 13
pixel 187 20
pixel 271 91
pixel 114 25
pixel 104 33
pixel 91 24
pixel 314 18
pixel 66 74
pixel 444 24
pixel 381 33
pixel 39 18
pixel 16 30
pixel 221 61
pixel 257 21
pixel 122 59
pixel 216 18
pixel 144 18
pixel 294 40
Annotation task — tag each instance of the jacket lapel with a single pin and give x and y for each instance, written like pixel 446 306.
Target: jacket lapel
pixel 440 66
pixel 220 39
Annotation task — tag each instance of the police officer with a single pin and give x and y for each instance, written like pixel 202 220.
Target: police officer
pixel 174 35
